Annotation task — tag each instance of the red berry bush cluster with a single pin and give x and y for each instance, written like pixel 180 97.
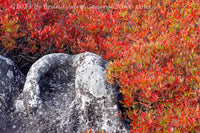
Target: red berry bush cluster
pixel 153 48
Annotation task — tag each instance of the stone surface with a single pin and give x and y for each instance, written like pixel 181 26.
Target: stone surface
pixel 11 80
pixel 67 93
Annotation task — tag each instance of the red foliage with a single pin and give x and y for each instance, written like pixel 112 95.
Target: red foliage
pixel 153 48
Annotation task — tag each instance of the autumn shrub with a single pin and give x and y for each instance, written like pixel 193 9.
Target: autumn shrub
pixel 30 30
pixel 153 48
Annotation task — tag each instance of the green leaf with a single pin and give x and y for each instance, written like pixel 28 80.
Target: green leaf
pixel 176 131
pixel 124 13
pixel 134 106
pixel 149 115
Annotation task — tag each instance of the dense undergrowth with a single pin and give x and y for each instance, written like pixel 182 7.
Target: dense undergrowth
pixel 153 48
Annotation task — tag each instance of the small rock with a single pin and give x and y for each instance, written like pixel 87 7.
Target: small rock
pixel 11 79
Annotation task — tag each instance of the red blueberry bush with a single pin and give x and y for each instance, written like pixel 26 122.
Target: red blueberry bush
pixel 153 48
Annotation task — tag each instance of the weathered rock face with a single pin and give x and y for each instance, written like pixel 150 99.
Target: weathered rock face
pixel 68 93
pixel 11 79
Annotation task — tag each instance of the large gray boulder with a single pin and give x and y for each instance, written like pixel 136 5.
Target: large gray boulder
pixel 69 93
pixel 62 94
pixel 11 80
